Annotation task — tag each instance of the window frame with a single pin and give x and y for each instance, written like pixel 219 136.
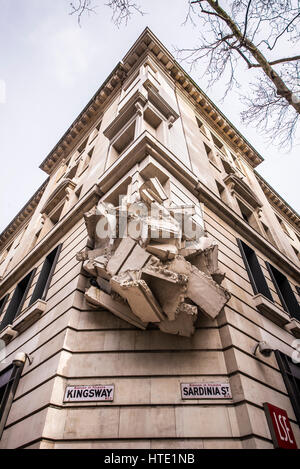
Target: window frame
pixel 9 392
pixel 12 314
pixel 263 288
pixel 287 307
pixel 286 366
pixel 35 296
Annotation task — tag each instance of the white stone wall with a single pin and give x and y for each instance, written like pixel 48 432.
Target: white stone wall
pixel 74 344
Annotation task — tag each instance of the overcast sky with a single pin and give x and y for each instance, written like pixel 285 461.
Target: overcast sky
pixel 50 68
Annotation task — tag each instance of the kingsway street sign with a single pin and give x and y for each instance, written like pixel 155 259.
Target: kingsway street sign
pixel 89 393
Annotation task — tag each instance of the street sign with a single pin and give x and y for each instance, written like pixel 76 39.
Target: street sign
pixel 89 393
pixel 205 391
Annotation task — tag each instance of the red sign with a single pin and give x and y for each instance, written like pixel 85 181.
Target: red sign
pixel 280 427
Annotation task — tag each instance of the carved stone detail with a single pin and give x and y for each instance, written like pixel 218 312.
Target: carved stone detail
pixel 145 268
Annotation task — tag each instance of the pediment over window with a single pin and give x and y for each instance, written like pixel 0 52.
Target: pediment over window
pixel 160 103
pixel 153 105
pixel 238 186
pixel 59 194
pixel 137 101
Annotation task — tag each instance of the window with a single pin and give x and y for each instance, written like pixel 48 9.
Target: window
pixel 81 148
pixel 221 190
pixel 238 164
pixel 201 127
pixel 56 214
pixel 285 292
pixel 95 132
pixel 291 376
pixel 124 140
pixel 248 215
pixel 268 233
pixel 254 270
pixel 5 253
pixel 218 144
pixel 284 228
pixel 87 161
pixel 209 153
pixel 17 300
pixel 43 283
pixel 9 380
pixel 245 211
pixel 296 252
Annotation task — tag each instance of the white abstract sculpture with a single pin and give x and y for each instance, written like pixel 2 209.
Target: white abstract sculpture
pixel 151 263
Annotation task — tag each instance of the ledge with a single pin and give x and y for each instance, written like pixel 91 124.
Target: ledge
pixel 270 310
pixel 29 316
pixel 237 185
pixel 8 334
pixel 126 113
pixel 293 327
pixel 58 195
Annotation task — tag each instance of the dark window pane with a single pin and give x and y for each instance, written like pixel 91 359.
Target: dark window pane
pixel 285 292
pixel 290 373
pixel 254 270
pixel 44 279
pixel 9 379
pixel 17 301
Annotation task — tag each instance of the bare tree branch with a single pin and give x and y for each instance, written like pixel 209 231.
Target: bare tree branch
pixel 82 7
pixel 242 32
pixel 122 10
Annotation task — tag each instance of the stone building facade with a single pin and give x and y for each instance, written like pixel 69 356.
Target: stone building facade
pixel 150 321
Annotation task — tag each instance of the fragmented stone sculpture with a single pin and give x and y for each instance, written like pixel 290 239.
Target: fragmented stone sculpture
pixel 146 266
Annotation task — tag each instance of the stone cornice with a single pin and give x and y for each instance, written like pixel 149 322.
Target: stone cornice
pixel 236 184
pixel 59 194
pixel 279 203
pixel 148 43
pixel 23 216
pixel 74 133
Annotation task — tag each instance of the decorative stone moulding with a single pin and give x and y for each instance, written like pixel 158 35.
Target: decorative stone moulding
pixel 59 194
pixel 29 316
pixel 293 327
pixel 236 184
pixel 8 334
pixel 268 309
pixel 147 267
pixel 128 111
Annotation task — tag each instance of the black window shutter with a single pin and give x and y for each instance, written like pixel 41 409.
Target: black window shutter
pixel 255 273
pixel 284 291
pixel 9 380
pixel 17 300
pixel 43 283
pixel 291 377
